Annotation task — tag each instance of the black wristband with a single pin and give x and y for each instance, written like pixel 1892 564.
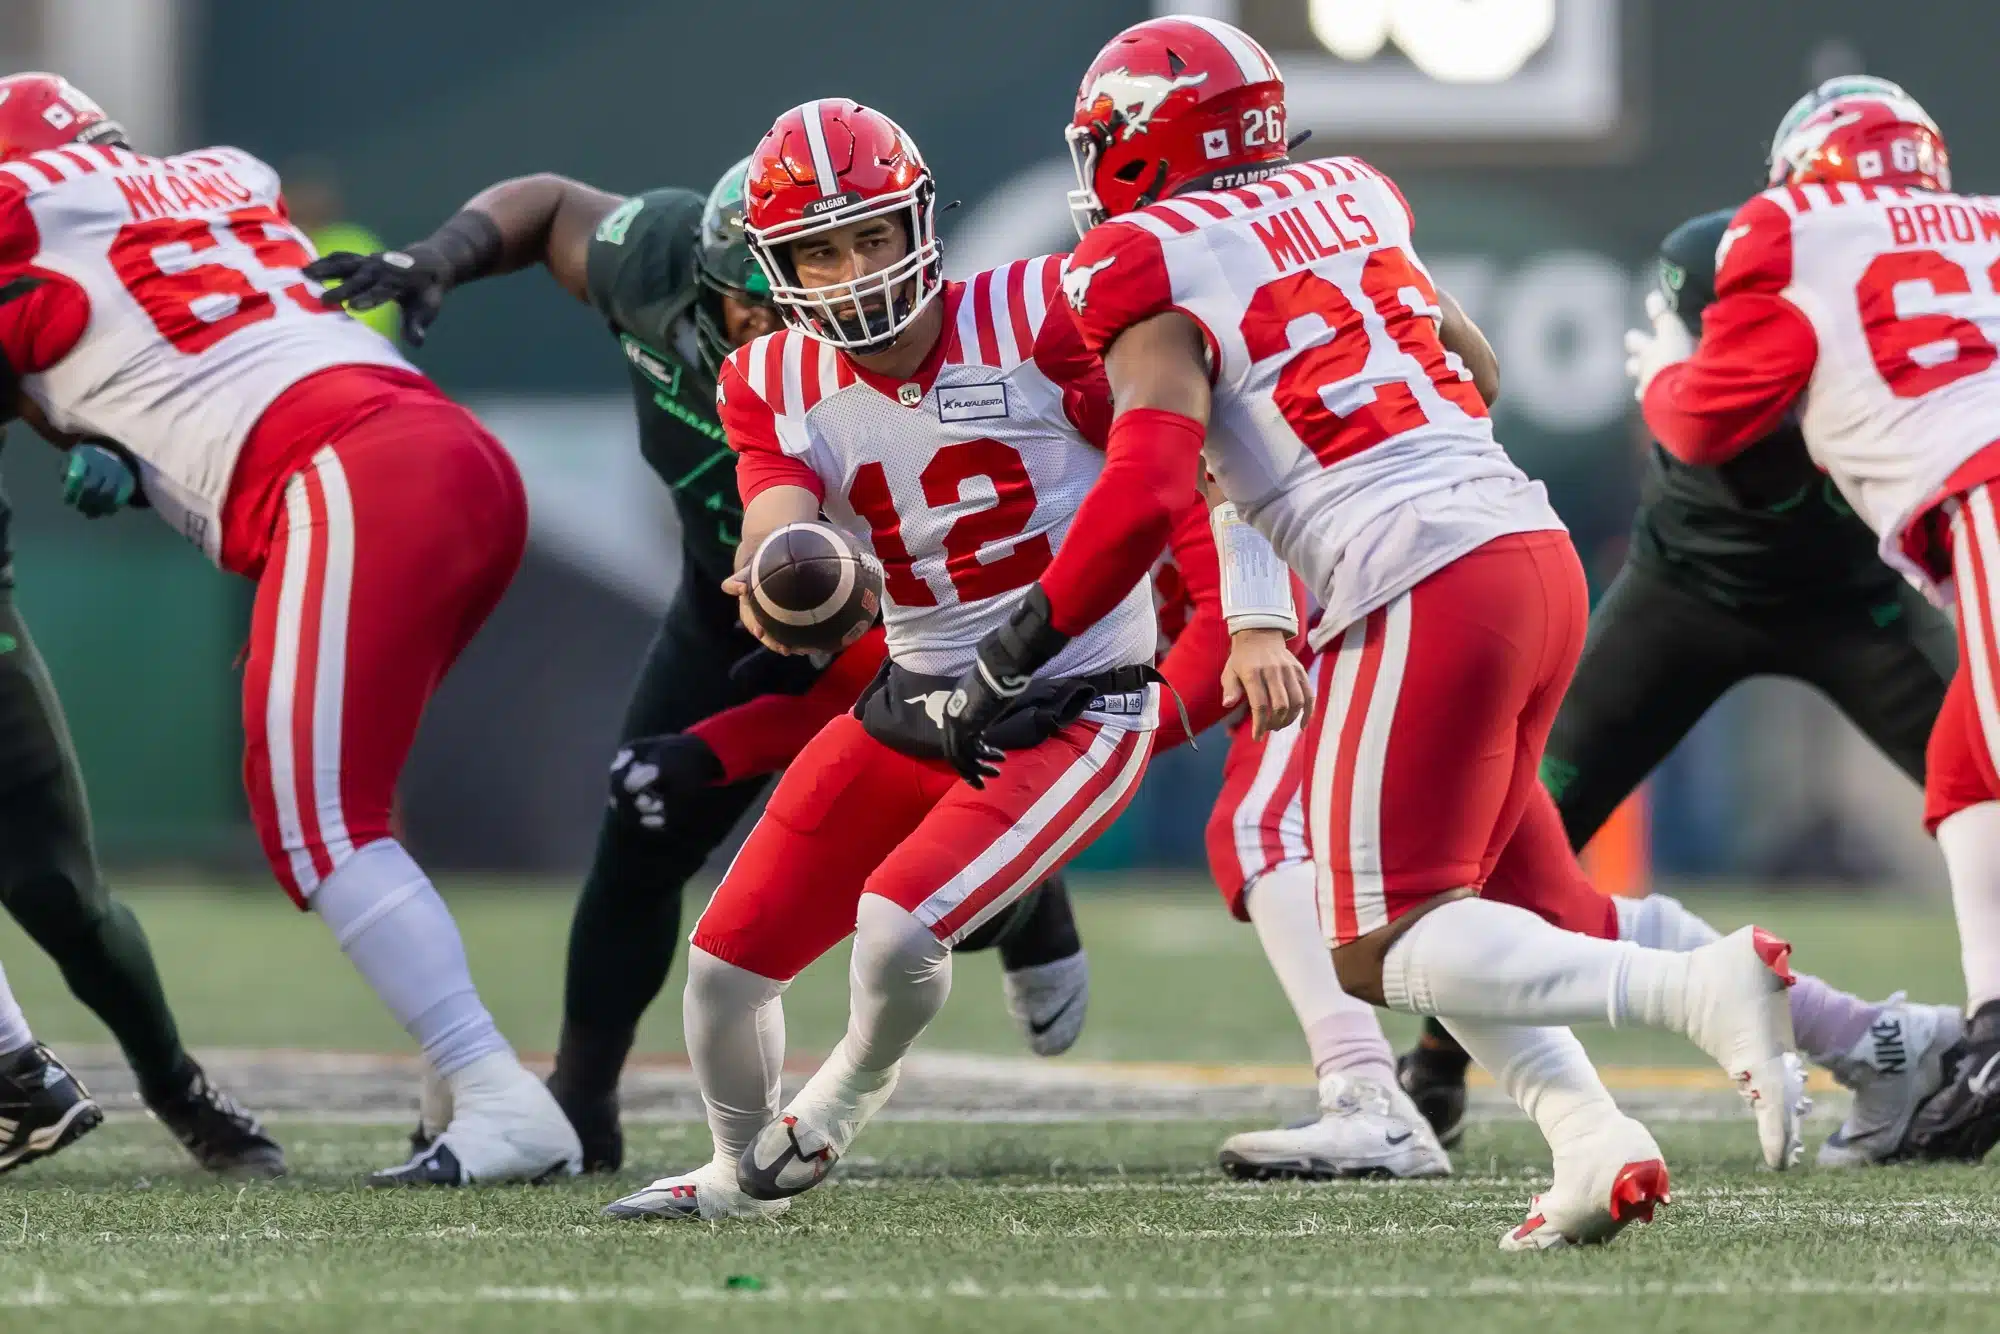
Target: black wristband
pixel 470 244
pixel 1027 638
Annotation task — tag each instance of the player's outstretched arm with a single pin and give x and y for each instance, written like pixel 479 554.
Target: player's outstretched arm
pixel 1151 463
pixel 763 514
pixel 1707 402
pixel 544 219
pixel 1459 334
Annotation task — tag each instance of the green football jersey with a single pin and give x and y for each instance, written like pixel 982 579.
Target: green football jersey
pixel 641 276
pixel 1768 526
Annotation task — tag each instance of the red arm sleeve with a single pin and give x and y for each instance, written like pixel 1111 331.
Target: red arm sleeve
pixel 1756 353
pixel 42 313
pixel 761 736
pixel 1193 666
pixel 752 427
pixel 1149 475
pixel 1116 278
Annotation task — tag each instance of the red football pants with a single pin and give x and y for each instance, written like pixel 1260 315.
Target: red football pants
pixel 853 817
pixel 1430 717
pixel 1961 767
pixel 393 545
pixel 1538 871
pixel 1259 820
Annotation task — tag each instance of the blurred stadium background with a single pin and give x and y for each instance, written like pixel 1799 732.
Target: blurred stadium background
pixel 1546 144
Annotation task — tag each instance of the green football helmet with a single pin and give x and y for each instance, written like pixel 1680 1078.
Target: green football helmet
pixel 723 266
pixel 1844 85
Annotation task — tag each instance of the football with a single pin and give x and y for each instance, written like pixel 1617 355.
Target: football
pixel 813 588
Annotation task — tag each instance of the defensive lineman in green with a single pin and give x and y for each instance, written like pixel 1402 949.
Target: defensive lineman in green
pixel 1754 568
pixel 51 885
pixel 672 275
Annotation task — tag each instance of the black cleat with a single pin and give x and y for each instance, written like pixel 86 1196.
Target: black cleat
pixel 222 1136
pixel 1433 1074
pixel 1961 1121
pixel 595 1120
pixel 43 1108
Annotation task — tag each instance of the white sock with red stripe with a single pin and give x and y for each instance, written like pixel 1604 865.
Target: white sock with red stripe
pixel 400 936
pixel 1970 841
pixel 898 981
pixel 1544 1070
pixel 1487 960
pixel 1342 1033
pixel 734 1023
pixel 14 1032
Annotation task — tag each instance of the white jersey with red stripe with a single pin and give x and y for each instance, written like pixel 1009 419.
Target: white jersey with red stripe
pixel 1340 425
pixel 194 316
pixel 962 480
pixel 1902 289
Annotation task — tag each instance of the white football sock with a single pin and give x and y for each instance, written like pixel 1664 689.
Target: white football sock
pixel 14 1033
pixel 1342 1033
pixel 734 1022
pixel 1544 1070
pixel 1483 960
pixel 1826 1020
pixel 899 978
pixel 400 936
pixel 1970 841
pixel 1660 922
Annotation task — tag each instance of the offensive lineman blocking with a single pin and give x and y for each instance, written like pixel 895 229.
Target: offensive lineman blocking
pixel 162 307
pixel 1860 290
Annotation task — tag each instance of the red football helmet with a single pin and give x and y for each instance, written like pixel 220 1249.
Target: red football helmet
pixel 1168 102
pixel 824 165
pixel 39 111
pixel 1868 138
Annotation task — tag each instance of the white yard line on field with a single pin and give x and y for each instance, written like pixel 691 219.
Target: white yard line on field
pixel 42 1293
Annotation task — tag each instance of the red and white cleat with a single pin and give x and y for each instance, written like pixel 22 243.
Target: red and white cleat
pixel 1738 1012
pixel 1603 1185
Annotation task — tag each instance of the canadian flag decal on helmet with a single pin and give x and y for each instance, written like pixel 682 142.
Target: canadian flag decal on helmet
pixel 1135 97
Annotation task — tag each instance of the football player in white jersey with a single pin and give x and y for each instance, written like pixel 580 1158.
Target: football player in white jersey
pixel 1272 318
pixel 1863 295
pixel 158 304
pixel 949 427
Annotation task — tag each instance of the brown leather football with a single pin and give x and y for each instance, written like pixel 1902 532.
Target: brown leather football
pixel 813 588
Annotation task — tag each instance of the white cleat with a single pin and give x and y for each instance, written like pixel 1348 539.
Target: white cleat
pixel 1892 1068
pixel 1365 1128
pixel 1604 1183
pixel 794 1153
pixel 1738 1013
pixel 1048 1001
pixel 708 1194
pixel 505 1126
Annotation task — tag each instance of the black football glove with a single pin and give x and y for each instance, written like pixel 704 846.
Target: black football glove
pixel 764 671
pixel 415 278
pixel 650 771
pixel 1002 667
